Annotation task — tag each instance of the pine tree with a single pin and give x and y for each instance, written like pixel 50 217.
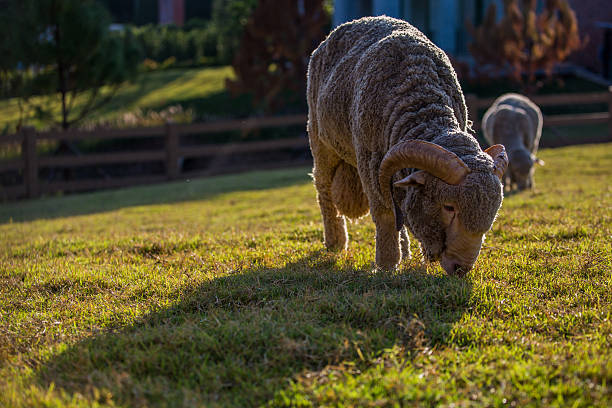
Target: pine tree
pixel 63 50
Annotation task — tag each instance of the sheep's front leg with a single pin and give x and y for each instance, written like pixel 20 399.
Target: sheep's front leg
pixel 388 251
pixel 334 224
pixel 531 183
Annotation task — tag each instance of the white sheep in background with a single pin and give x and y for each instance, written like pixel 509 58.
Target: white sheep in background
pixel 382 100
pixel 516 122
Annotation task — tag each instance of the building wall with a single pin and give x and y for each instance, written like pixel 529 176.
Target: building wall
pixel 589 13
pixel 444 24
pixel 441 20
pixel 171 12
pixel 389 8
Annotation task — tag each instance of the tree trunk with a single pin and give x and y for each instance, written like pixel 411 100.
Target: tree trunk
pixel 61 71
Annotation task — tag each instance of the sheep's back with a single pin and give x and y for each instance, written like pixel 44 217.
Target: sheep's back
pixel 374 79
pixel 331 80
pixel 514 111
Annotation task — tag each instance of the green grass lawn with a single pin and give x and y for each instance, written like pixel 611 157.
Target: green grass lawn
pixel 199 89
pixel 218 292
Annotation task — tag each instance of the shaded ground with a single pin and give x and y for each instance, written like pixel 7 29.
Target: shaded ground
pixel 237 337
pixel 168 193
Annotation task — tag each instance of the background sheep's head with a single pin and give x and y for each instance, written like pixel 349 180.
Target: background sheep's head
pixel 448 207
pixel 522 167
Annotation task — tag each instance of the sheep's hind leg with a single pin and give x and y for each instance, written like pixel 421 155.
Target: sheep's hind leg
pixel 334 225
pixel 405 243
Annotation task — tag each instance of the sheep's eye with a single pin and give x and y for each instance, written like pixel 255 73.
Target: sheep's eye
pixel 449 208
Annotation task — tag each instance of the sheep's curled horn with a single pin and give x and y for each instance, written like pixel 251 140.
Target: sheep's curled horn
pixel 500 159
pixel 435 160
pixel 423 155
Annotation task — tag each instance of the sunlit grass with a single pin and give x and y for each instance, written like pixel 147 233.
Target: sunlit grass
pixel 218 292
pixel 152 90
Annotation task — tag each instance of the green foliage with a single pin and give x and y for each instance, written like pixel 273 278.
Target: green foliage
pixel 16 43
pixel 209 42
pixel 229 17
pixel 210 39
pixel 194 44
pixel 66 50
pixel 218 292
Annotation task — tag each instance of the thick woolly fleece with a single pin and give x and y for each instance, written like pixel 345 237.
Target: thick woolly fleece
pixel 516 122
pixel 375 82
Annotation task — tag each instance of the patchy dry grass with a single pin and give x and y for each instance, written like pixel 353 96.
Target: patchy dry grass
pixel 217 292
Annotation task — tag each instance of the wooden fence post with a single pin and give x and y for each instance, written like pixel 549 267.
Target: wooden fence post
pixel 610 113
pixel 28 151
pixel 471 102
pixel 172 145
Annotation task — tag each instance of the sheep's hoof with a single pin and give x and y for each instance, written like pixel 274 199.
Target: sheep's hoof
pixel 388 259
pixel 335 246
pixel 387 266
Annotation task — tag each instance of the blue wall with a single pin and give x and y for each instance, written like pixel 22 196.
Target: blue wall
pixel 441 20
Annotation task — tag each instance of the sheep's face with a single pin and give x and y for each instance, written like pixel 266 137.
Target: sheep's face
pixel 521 168
pixel 450 221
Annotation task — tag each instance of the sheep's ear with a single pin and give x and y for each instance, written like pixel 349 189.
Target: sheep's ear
pixel 537 161
pixel 416 178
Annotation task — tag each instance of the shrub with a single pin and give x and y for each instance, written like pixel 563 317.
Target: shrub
pixel 191 45
pixel 200 41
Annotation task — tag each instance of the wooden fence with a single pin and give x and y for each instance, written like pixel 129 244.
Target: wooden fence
pixel 475 104
pixel 173 153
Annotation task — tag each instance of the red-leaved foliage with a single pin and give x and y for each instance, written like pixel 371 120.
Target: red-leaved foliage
pixel 523 41
pixel 276 44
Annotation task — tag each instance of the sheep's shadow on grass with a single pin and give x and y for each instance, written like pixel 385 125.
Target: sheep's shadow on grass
pixel 238 339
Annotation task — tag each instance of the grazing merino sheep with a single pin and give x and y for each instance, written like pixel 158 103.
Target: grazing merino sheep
pixel 382 100
pixel 516 122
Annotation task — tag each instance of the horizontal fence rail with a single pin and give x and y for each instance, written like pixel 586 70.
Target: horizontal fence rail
pixel 475 104
pixel 172 154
